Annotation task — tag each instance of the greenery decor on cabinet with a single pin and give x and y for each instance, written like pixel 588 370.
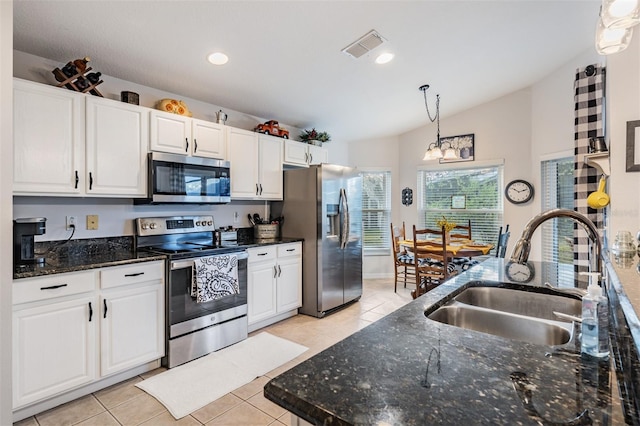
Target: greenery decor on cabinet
pixel 312 136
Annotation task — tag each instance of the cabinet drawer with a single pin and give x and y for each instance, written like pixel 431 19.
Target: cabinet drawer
pixel 42 288
pixel 290 250
pixel 131 274
pixel 262 253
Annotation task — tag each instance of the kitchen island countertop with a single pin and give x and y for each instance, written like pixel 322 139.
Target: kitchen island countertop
pixel 406 369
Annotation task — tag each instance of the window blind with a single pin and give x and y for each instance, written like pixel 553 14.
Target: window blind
pixel 557 233
pixel 376 210
pixel 480 189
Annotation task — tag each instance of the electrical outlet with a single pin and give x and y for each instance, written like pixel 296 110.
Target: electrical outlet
pixel 236 217
pixel 72 221
pixel 92 222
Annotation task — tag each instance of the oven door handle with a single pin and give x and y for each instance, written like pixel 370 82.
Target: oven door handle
pixel 188 263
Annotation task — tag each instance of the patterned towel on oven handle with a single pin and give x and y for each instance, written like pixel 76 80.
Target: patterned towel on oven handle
pixel 215 277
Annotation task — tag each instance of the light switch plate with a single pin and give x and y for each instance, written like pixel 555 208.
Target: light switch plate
pixel 92 222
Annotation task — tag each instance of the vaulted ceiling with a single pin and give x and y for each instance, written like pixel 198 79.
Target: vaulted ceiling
pixel 285 58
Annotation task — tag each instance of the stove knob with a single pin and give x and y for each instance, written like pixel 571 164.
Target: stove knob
pixel 145 226
pixel 153 225
pixel 197 223
pixel 210 223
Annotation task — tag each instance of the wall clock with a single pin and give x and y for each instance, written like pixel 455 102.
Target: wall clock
pixel 518 191
pixel 519 273
pixel 407 196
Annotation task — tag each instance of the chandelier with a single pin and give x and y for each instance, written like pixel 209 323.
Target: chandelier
pixel 437 149
pixel 615 26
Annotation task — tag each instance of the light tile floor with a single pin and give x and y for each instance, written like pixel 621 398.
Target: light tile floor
pixel 125 404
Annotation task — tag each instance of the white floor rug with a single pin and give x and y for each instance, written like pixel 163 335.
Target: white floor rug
pixel 191 386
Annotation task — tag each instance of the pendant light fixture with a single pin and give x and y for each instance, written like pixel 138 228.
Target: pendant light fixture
pixel 615 26
pixel 437 149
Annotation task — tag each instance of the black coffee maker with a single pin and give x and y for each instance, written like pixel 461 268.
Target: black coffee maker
pixel 24 230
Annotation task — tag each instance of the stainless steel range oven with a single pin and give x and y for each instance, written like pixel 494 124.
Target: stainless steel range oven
pixel 196 325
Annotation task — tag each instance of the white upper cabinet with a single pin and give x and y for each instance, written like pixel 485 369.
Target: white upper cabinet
pixel 256 165
pixel 117 138
pixel 68 143
pixel 178 134
pixel 303 154
pixel 48 149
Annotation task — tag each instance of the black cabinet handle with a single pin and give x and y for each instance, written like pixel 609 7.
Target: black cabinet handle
pixel 187 141
pixel 53 287
pixel 105 308
pixel 279 271
pixel 260 189
pixel 134 274
pixel 90 180
pixel 77 179
pixel 310 158
pixel 275 271
pixel 195 146
pixel 90 312
pixel 262 254
pixel 257 190
pixel 291 249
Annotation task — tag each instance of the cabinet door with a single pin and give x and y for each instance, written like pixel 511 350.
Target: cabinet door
pixel 48 139
pixel 208 139
pixel 289 288
pixel 53 348
pixel 270 168
pixel 117 144
pixel 242 152
pixel 318 155
pixel 261 287
pixel 296 153
pixel 132 327
pixel 170 133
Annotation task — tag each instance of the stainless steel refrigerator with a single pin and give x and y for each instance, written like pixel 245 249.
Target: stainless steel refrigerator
pixel 323 205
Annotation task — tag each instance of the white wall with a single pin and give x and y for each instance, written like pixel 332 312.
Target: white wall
pixel 378 154
pixel 502 130
pixel 623 76
pixel 6 180
pixel 552 126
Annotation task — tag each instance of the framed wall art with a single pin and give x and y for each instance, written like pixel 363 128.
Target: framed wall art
pixel 464 145
pixel 458 202
pixel 633 146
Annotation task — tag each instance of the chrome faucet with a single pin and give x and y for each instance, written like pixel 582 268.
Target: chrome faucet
pixel 523 245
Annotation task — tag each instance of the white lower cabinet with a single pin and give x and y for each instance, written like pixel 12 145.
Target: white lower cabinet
pixel 55 324
pixel 274 283
pixel 132 317
pixel 74 329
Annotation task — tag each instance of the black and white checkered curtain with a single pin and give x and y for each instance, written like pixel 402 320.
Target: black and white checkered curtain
pixel 589 122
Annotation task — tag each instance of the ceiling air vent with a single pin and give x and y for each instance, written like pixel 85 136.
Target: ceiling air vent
pixel 364 44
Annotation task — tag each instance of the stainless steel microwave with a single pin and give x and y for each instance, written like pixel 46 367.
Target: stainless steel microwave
pixel 182 179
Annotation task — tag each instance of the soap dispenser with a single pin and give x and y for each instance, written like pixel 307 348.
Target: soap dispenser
pixel 595 320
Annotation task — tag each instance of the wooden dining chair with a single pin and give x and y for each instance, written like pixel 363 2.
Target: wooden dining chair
pixel 433 263
pixel 462 231
pixel 403 264
pixel 503 239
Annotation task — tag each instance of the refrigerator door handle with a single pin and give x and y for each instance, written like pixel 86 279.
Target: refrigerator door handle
pixel 344 219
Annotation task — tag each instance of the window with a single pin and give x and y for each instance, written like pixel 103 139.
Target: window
pixel 376 210
pixel 557 192
pixel 440 190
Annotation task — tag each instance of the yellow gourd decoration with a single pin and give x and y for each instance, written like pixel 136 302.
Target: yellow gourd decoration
pixel 174 106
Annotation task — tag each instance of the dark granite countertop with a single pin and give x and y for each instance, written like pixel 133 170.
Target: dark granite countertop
pixel 405 369
pixel 80 255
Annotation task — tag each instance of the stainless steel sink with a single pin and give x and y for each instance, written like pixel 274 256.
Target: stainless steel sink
pixel 538 305
pixel 510 326
pixel 511 313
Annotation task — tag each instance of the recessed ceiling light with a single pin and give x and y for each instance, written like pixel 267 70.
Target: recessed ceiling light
pixel 384 58
pixel 218 58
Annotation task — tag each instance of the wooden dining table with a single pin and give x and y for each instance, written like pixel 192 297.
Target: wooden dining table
pixel 458 247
